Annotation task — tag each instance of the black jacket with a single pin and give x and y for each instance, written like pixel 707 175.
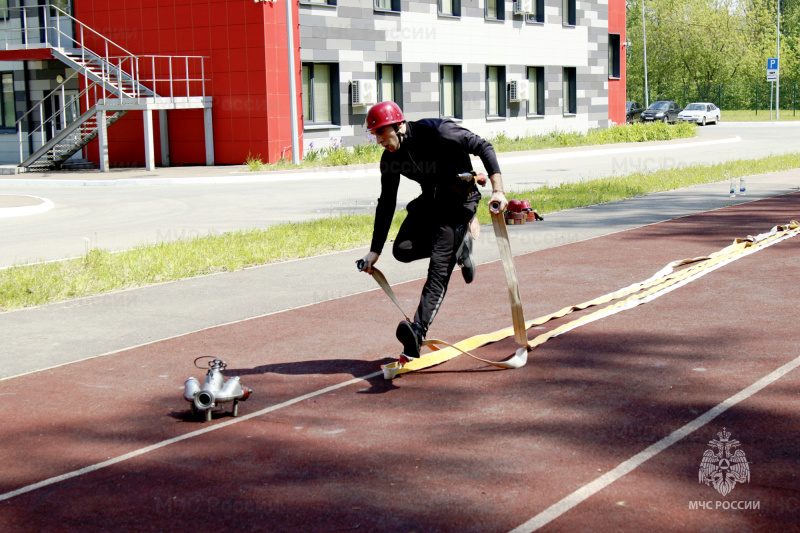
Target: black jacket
pixel 432 153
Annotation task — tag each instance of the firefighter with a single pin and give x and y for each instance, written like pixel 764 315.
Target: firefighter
pixel 432 152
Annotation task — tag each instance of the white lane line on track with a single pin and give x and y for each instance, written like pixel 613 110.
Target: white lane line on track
pixel 587 491
pixel 192 434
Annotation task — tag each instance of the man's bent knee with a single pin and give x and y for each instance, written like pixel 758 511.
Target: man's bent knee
pixel 403 252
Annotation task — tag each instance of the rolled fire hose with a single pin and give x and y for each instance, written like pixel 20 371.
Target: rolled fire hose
pixel 519 358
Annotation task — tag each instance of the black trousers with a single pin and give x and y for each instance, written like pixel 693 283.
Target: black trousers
pixel 435 228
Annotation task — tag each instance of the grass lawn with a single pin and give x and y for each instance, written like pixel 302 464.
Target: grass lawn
pixel 763 115
pixel 100 271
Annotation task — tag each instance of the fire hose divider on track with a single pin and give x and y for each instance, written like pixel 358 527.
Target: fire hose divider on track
pixel 662 282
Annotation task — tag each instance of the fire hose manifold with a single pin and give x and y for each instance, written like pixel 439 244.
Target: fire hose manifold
pixel 215 390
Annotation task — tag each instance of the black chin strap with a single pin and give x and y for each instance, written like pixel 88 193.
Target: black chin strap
pixel 401 136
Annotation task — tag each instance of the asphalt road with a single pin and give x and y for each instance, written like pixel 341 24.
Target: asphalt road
pixel 173 204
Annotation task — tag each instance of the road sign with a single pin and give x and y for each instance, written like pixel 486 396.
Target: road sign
pixel 772 69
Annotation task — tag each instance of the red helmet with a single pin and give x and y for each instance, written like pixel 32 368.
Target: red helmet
pixel 383 114
pixel 515 206
pixel 526 205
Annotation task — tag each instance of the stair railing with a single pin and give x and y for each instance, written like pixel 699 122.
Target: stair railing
pixel 51 122
pixel 117 63
pixel 110 48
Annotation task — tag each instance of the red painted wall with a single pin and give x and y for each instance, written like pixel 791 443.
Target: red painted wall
pixel 247 69
pixel 616 87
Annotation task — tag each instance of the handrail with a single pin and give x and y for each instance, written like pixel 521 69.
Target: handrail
pixel 24 9
pixel 115 70
pixel 42 122
pixel 51 93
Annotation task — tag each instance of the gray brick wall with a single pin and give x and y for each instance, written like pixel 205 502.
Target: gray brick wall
pixel 357 37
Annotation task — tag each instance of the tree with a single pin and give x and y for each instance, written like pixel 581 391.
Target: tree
pixel 710 42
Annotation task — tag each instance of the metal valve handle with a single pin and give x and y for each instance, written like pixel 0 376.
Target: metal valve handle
pixel 214 363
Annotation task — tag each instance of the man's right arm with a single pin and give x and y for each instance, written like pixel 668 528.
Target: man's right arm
pixel 387 203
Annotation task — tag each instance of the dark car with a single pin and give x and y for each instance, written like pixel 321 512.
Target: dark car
pixel 663 111
pixel 633 111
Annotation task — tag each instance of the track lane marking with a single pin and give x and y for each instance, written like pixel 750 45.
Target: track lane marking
pixel 136 453
pixel 587 491
pixel 567 503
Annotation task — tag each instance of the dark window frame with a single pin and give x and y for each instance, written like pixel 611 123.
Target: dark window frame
pixel 500 10
pixel 570 90
pixel 502 92
pixel 536 96
pixel 328 3
pixel 569 12
pixel 458 95
pixel 614 56
pixel 7 128
pixel 395 7
pixel 397 81
pixel 333 88
pixel 456 9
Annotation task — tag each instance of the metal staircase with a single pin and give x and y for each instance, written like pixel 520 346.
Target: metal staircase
pixel 114 78
pixel 54 153
pixel 116 81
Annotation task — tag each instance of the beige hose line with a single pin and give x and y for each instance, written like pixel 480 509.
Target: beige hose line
pixel 664 281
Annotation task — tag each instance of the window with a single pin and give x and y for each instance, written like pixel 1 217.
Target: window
pixel 451 8
pixel 450 91
pixel 387 5
pixel 390 83
pixel 319 2
pixel 321 93
pixel 495 10
pixel 538 15
pixel 8 111
pixel 613 55
pixel 570 95
pixel 4 10
pixel 536 91
pixel 568 12
pixel 495 91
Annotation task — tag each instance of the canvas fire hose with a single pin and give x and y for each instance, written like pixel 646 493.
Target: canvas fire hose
pixel 518 359
pixel 669 278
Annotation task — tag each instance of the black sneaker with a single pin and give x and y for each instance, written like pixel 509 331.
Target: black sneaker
pixel 465 259
pixel 409 336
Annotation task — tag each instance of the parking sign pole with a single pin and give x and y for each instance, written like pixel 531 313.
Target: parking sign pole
pixel 771 92
pixel 644 39
pixel 778 80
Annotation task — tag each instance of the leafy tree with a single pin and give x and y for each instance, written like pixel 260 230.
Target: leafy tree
pixel 700 43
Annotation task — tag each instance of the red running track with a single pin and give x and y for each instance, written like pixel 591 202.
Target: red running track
pixel 462 446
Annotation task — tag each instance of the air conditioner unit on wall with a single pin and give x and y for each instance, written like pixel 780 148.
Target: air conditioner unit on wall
pixel 364 92
pixel 518 90
pixel 523 7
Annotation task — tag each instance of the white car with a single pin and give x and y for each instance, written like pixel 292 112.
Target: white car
pixel 700 113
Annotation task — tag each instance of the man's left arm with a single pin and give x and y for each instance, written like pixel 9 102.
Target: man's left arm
pixel 498 193
pixel 477 145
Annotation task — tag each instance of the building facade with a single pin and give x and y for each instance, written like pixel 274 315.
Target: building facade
pixel 207 82
pixel 496 66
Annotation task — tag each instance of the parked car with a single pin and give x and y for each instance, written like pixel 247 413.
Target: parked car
pixel 700 113
pixel 633 111
pixel 663 110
